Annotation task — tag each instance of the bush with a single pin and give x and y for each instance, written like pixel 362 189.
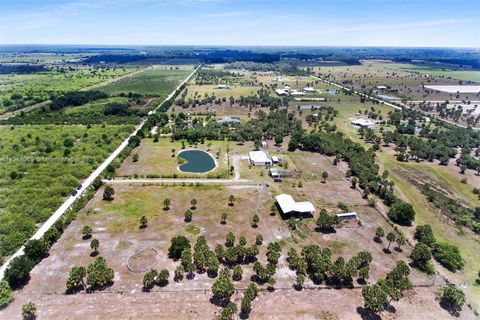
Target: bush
pixel 178 244
pixel 6 293
pixel 402 213
pixel 18 272
pixel 448 256
pixel 451 298
pixel 424 234
pixel 36 250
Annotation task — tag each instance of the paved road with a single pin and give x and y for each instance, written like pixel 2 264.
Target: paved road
pixel 69 201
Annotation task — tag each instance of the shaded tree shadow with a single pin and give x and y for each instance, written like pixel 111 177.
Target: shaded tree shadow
pixel 386 250
pixel 220 302
pixel 325 230
pixel 94 254
pixel 454 310
pixel 86 236
pixel 398 249
pixel 367 315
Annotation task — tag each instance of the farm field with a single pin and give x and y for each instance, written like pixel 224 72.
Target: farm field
pixel 404 85
pixel 40 166
pixel 464 75
pixel 21 90
pixel 157 81
pixel 116 225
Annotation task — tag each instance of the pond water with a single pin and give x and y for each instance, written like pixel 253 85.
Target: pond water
pixel 198 161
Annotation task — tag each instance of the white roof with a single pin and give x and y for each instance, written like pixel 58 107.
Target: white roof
pixel 381 87
pixel 362 122
pixel 309 89
pixel 281 92
pixel 275 158
pixel 348 214
pixel 297 93
pixel 287 204
pixel 259 156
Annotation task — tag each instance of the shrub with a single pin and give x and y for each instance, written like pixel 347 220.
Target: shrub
pixel 178 244
pixel 402 213
pixel 448 256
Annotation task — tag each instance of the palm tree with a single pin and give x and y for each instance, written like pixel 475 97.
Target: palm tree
pixel 95 244
pixel 390 237
pixel 166 204
pixel 324 176
pixel 223 218
pixel 193 202
pixel 143 222
pixel 231 200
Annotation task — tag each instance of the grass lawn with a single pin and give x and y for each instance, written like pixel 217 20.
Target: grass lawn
pixel 465 75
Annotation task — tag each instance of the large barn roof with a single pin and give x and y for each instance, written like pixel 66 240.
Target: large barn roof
pixel 287 204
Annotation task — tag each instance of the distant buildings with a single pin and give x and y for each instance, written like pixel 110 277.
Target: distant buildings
pixel 281 92
pixel 290 207
pixel 260 158
pixel 278 79
pixel 222 86
pixel 381 89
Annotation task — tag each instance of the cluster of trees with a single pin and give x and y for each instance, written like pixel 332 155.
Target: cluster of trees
pixel 76 98
pixel 212 76
pixel 378 296
pixel 439 143
pixel 18 272
pixel 98 275
pixel 446 254
pixel 318 264
pixel 153 277
pixel 265 126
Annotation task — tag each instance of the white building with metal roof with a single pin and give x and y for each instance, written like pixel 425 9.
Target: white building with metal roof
pixel 289 206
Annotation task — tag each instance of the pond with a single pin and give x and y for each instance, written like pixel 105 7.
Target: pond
pixel 197 161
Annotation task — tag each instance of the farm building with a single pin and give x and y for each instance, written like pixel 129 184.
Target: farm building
pixel 290 207
pixel 222 86
pixel 308 89
pixel 260 158
pixel 275 159
pixel 347 216
pixel 363 123
pixel 281 92
pixel 297 93
pixel 381 88
pixel 278 78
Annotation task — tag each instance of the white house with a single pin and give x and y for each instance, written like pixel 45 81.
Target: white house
pixel 260 158
pixel 281 92
pixel 363 123
pixel 289 206
pixel 229 120
pixel 297 93
pixel 308 89
pixel 278 78
pixel 222 86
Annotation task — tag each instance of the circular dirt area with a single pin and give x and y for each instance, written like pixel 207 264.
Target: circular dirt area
pixel 143 260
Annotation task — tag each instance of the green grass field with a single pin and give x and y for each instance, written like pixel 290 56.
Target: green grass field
pixel 465 75
pixel 21 90
pixel 41 165
pixel 152 82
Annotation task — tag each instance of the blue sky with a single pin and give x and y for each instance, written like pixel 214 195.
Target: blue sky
pixel 435 23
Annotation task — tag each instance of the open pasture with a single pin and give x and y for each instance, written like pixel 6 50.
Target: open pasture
pixel 157 81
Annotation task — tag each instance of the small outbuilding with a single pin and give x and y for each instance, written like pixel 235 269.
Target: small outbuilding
pixel 347 216
pixel 260 158
pixel 222 86
pixel 289 207
pixel 309 89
